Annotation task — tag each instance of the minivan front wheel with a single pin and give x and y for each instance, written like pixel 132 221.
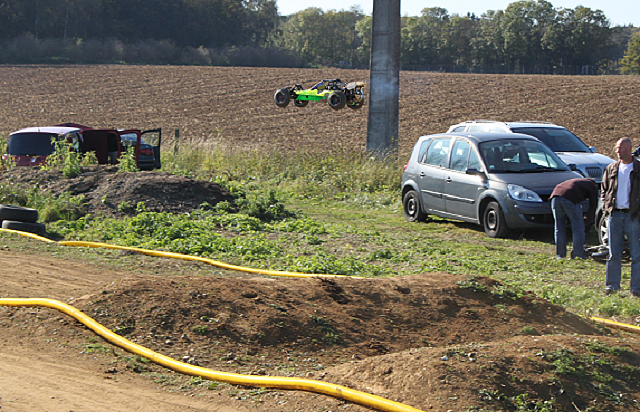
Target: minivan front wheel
pixel 494 221
pixel 411 206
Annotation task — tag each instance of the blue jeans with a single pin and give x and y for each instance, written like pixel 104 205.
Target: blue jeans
pixel 620 224
pixel 564 209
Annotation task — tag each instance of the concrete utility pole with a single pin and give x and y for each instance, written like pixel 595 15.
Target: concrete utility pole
pixel 384 78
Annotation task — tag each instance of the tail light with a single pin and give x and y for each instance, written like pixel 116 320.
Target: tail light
pixel 146 151
pixel 405 166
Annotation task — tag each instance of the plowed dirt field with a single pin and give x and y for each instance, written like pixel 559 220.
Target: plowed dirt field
pixel 425 340
pixel 236 104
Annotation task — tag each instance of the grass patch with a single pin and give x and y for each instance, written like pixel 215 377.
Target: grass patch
pixel 336 213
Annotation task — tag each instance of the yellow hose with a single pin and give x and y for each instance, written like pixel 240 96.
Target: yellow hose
pixel 308 385
pixel 173 255
pixel 622 326
pixel 201 259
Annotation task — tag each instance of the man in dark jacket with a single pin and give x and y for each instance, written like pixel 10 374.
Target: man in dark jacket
pixel 566 203
pixel 620 194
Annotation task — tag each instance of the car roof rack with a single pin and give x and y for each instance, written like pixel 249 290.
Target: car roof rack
pixel 533 121
pixel 480 121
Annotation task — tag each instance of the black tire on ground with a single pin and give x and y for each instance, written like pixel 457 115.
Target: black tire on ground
pixel 495 224
pixel 337 100
pixel 411 207
pixel 602 227
pixel 37 228
pixel 282 97
pixel 356 105
pixel 301 103
pixel 18 213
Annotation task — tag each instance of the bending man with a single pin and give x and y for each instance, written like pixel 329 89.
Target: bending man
pixel 566 203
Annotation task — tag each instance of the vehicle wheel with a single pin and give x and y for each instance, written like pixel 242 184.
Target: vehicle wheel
pixel 411 207
pixel 356 105
pixel 37 228
pixel 494 221
pixel 603 230
pixel 282 97
pixel 18 213
pixel 337 100
pixel 301 103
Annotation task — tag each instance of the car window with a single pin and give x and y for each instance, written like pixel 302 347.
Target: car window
pixel 130 138
pixel 477 128
pixel 438 152
pixel 520 156
pixel 474 162
pixel 76 141
pixel 423 149
pixel 559 140
pixel 496 128
pixel 458 129
pixel 31 144
pixel 460 156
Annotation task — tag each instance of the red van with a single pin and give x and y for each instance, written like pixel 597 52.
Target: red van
pixel 31 146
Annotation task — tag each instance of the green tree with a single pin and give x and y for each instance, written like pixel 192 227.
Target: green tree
pixel 422 37
pixel 630 63
pixel 363 31
pixel 321 38
pixel 524 25
pixel 587 35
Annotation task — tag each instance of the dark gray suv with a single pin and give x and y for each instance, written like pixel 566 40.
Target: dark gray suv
pixel 501 181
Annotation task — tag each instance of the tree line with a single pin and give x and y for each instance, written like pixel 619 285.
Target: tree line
pixel 529 36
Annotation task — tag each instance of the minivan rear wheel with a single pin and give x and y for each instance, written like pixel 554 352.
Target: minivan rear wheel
pixel 494 221
pixel 412 209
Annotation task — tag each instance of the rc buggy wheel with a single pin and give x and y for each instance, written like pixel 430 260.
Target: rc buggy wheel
pixel 301 103
pixel 282 97
pixel 37 228
pixel 18 213
pixel 356 105
pixel 337 100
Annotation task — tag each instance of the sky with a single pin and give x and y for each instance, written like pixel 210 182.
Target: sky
pixel 619 12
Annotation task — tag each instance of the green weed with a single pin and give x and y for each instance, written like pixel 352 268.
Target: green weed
pixel 127 160
pixel 65 158
pixel 200 330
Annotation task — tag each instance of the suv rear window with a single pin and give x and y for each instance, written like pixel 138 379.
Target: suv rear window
pixel 559 140
pixel 31 144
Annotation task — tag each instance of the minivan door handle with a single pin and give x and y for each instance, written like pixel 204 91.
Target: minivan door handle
pixel 448 179
pixel 422 174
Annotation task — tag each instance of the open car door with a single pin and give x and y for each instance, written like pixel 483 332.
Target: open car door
pixel 154 138
pixel 104 142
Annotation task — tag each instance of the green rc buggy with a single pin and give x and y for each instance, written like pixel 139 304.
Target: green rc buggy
pixel 337 94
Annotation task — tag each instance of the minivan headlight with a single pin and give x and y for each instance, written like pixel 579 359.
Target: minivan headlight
pixel 518 192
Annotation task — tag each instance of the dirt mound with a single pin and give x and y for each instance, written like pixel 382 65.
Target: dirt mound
pixel 363 317
pixel 116 193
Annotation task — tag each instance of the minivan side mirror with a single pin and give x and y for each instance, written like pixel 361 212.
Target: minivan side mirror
pixel 573 167
pixel 475 172
pixel 593 149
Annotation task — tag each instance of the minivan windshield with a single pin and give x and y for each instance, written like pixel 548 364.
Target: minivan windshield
pixel 519 156
pixel 31 144
pixel 559 140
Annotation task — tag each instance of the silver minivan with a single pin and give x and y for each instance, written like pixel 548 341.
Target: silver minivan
pixel 501 181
